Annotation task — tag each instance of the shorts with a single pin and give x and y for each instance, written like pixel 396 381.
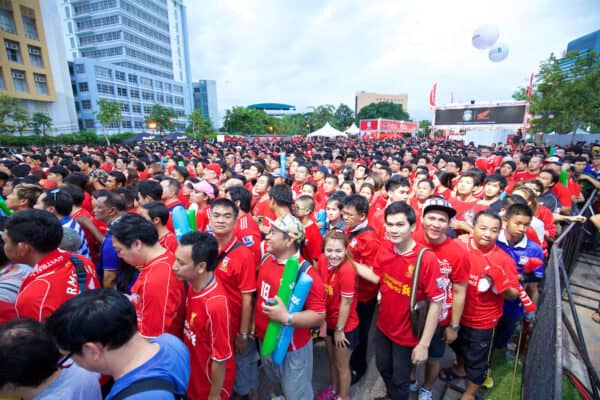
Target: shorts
pixel 474 345
pixel 294 375
pixel 352 337
pixel 246 369
pixel 437 347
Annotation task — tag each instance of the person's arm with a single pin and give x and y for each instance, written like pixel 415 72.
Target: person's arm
pixel 594 182
pixel 339 335
pixel 88 225
pixel 302 319
pixel 510 294
pixel 459 291
pixel 365 272
pixel 217 377
pixel 569 218
pixel 420 353
pixel 241 340
pixel 109 278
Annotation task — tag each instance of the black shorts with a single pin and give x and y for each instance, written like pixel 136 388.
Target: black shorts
pixel 437 347
pixel 474 345
pixel 352 337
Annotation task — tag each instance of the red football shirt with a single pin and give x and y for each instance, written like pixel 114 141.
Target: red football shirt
pixel 169 241
pixel 466 210
pixel 313 243
pixel 206 335
pixel 563 194
pixel 158 297
pixel 339 282
pixel 52 282
pixel 267 285
pixel 364 247
pixel 395 271
pixel 237 275
pixel 247 230
pixel 484 309
pixel 202 219
pixel 262 209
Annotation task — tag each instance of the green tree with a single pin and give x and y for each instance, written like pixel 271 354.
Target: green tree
pixel 242 121
pixel 294 124
pixel 344 116
pixel 198 125
pixel 40 122
pixel 163 117
pixel 564 99
pixel 320 115
pixel 424 126
pixel 13 117
pixel 109 114
pixel 385 109
pixel 21 119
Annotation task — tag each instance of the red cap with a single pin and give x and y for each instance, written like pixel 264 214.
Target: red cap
pixel 215 168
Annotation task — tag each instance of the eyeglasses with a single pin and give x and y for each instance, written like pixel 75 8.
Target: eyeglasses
pixel 63 360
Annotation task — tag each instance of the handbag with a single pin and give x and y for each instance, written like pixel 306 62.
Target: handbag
pixel 418 309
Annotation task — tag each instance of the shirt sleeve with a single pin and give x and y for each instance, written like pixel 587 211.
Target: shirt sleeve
pixel 430 281
pixel 315 301
pixel 247 283
pixel 32 301
pixel 110 259
pixel 218 319
pixel 460 271
pixel 347 278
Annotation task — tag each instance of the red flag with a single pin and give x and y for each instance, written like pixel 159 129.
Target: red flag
pixel 530 88
pixel 432 95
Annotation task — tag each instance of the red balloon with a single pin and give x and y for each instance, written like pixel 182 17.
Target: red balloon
pixel 482 163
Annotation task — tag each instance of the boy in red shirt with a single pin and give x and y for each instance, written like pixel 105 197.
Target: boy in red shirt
pixel 246 229
pixel 465 203
pixel 157 213
pixel 313 242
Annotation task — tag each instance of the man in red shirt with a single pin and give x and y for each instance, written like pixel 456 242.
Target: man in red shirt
pixel 492 278
pixel 396 347
pixel 261 207
pixel 295 373
pixel 207 329
pixel 465 203
pixel 157 295
pixel 236 273
pixel 157 213
pixel 246 229
pixel 32 237
pixel 398 189
pixel 313 242
pixel 559 189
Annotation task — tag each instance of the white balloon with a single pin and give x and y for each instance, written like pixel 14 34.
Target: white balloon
pixel 498 53
pixel 485 36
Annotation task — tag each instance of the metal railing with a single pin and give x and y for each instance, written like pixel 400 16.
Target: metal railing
pixel 543 368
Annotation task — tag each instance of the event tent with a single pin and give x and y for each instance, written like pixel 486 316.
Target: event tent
pixel 327 131
pixel 353 130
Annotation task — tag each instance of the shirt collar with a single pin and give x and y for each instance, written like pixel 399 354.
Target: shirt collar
pixel 521 244
pixel 361 225
pixel 283 261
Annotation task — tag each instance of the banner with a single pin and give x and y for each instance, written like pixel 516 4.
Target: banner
pixel 432 95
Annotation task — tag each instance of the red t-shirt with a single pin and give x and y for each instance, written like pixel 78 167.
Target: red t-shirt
pixel 158 297
pixel 364 247
pixel 484 309
pixel 207 336
pixel 520 176
pixel 262 209
pixel 378 224
pixel 237 275
pixel 454 267
pixel 563 193
pixel 202 219
pixel 466 210
pixel 87 203
pixel 185 200
pixel 88 235
pixel 313 243
pixel 267 285
pixel 339 282
pixel 395 271
pixel 169 241
pixel 52 282
pixel 246 229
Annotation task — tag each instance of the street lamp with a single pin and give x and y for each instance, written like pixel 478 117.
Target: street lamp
pixel 152 125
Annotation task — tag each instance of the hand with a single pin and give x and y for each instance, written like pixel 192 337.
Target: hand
pixel 577 218
pixel 277 312
pixel 241 344
pixel 450 335
pixel 340 339
pixel 420 354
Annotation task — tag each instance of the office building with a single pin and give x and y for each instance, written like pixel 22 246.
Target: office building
pixel 363 99
pixel 583 44
pixel 32 67
pixel 147 39
pixel 205 100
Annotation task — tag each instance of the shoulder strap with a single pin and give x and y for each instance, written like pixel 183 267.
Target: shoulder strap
pixel 304 266
pixel 359 231
pixel 146 385
pixel 80 271
pixel 224 254
pixel 415 279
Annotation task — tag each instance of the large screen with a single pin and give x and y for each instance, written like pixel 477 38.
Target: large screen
pixel 481 115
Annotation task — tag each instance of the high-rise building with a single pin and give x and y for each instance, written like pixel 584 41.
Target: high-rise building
pixel 205 100
pixel 145 39
pixel 32 66
pixel 583 44
pixel 363 99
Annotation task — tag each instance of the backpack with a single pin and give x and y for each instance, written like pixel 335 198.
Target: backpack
pixel 146 385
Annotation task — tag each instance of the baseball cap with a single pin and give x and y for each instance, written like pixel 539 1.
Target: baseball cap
pixel 215 168
pixel 289 225
pixel 322 169
pixel 203 187
pixel 553 160
pixel 438 203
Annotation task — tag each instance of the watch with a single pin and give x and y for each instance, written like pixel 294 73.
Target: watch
pixel 289 320
pixel 455 328
pixel 338 329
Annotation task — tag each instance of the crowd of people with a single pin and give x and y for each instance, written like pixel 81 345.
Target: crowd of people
pixel 103 294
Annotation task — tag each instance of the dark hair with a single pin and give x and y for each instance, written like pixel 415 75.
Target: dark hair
pixel 226 203
pixel 38 228
pixel 476 176
pixel 77 178
pixel 428 181
pixel 28 353
pixel 359 202
pixel 282 194
pixel 204 248
pixel 555 175
pixel 486 213
pixel 337 197
pixel 100 315
pixel 131 227
pixel 241 194
pixel 156 209
pixel 512 164
pixel 60 199
pixel 496 178
pixel 518 209
pixel 511 199
pixel 150 188
pixel 119 177
pixel 400 207
pixel 395 182
pixel 311 184
pixel 334 177
pixel 270 179
pixel 112 199
pixel 172 183
pixel 76 194
pixel 62 171
pixel 351 184
pixel 182 171
pixel 309 201
pixel 128 196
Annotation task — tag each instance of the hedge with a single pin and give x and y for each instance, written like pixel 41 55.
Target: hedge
pixel 84 137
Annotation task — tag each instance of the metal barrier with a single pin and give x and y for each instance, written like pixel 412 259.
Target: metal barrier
pixel 543 368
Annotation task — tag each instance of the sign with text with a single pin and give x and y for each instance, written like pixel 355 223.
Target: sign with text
pixel 481 115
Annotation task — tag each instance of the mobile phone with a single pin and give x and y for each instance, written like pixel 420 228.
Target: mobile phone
pixel 271 301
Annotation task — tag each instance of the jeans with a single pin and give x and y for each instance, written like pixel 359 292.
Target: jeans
pixel 394 364
pixel 358 360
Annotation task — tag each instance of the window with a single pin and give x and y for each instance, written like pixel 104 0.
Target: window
pixel 86 104
pixel 35 56
pixel 160 98
pixel 41 85
pixel 89 7
pixel 80 68
pixel 125 107
pixel 72 41
pixel 169 99
pixel 68 11
pixel 133 78
pixel 89 123
pixel 19 81
pixel 147 95
pixel 83 87
pixel 97 22
pixel 121 91
pixel 77 106
pixel 136 108
pixel 2 84
pixel 177 89
pixel 120 76
pixel 147 110
pixel 138 124
pixel 102 72
pixel 105 89
pixel 13 52
pixel 70 27
pixel 7 22
pixel 168 87
pixel 127 124
pixel 146 82
pixel 134 93
pixel 110 52
pixel 158 84
pixel 28 18
pixel 179 100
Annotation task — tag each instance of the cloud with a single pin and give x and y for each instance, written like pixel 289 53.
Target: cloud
pixel 311 52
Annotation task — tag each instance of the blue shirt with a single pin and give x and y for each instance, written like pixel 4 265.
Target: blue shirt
pixel 171 363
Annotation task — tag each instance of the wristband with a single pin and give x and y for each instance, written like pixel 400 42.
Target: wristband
pixel 338 329
pixel 289 320
pixel 243 335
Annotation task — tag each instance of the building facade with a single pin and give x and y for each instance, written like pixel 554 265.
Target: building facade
pixel 205 100
pixel 363 99
pixel 588 42
pixel 143 38
pixel 32 67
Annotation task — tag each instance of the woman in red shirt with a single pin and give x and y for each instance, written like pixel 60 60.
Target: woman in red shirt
pixel 339 281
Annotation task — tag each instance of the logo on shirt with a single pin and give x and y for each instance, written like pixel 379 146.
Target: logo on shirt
pixel 248 241
pixel 189 334
pixel 410 271
pixel 224 264
pixel 353 243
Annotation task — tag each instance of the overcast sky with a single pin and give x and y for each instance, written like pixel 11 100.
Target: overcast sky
pixel 310 52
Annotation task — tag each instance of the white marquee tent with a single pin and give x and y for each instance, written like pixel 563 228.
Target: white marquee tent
pixel 353 130
pixel 327 131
